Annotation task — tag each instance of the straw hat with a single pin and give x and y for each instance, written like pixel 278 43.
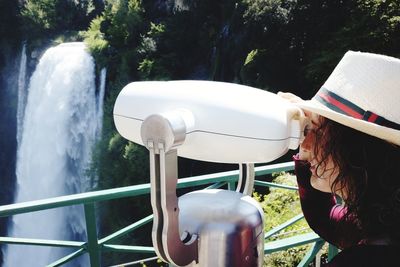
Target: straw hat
pixel 363 92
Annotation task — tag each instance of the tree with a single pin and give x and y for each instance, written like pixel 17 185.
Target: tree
pixel 49 17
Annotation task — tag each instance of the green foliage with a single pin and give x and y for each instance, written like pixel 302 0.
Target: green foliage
pixel 381 25
pixel 48 17
pixel 279 206
pixel 122 23
pixel 95 41
pixel 331 28
pixel 145 68
pixel 156 29
pixel 150 68
pixel 114 36
pixel 116 163
pixel 268 11
pixel 42 14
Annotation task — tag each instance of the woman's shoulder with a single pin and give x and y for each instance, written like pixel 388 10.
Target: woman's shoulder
pixel 367 256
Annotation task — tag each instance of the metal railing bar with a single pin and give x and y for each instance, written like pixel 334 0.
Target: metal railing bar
pixel 269 184
pixel 135 262
pixel 208 179
pixel 126 229
pixel 301 230
pixel 41 242
pixel 67 258
pixel 279 167
pixel 82 198
pixel 125 248
pixel 289 242
pixel 109 194
pixel 232 186
pixel 216 185
pixel 88 199
pixel 91 229
pixel 131 191
pixel 312 252
pixel 282 226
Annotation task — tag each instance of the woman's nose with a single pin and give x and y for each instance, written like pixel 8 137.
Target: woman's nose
pixel 306 145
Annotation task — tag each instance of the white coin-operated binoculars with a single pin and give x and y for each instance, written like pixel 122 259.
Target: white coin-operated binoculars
pixel 209 121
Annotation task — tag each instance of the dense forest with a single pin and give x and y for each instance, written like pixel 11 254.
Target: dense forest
pixel 275 45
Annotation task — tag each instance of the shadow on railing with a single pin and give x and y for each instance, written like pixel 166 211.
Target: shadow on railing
pixel 95 245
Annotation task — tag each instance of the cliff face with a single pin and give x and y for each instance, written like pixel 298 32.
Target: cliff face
pixel 8 85
pixel 9 59
pixel 8 142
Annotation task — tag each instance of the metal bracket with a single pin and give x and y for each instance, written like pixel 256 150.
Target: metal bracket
pixel 162 134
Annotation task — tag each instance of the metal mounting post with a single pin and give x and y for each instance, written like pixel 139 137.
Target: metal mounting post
pixel 246 179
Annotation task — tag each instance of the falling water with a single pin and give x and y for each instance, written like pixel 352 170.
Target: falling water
pixel 21 93
pixel 100 99
pixel 181 5
pixel 59 130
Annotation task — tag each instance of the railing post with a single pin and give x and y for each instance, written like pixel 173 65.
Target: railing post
pixel 232 186
pixel 332 252
pixel 91 229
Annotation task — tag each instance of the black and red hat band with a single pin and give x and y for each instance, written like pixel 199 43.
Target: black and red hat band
pixel 346 107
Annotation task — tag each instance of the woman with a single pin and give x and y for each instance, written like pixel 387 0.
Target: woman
pixel 351 151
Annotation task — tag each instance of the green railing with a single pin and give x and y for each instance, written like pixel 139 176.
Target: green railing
pixel 95 245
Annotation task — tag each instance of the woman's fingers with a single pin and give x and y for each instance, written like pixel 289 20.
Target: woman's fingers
pixel 290 97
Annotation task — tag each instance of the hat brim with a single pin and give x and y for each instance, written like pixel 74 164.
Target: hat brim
pixel 382 132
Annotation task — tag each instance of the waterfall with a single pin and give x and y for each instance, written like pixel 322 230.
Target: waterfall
pixel 181 5
pixel 21 93
pixel 59 131
pixel 100 100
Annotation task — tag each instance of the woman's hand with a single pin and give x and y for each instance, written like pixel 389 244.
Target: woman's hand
pixel 292 98
pixel 304 153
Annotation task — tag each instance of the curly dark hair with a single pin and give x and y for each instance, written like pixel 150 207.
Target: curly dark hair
pixel 368 177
